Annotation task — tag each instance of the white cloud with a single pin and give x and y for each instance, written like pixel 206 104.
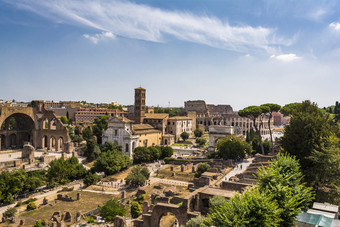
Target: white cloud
pixel 143 22
pixel 98 37
pixel 285 57
pixel 335 26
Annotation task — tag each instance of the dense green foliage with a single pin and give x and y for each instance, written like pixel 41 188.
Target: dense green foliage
pixel 92 150
pixel 111 162
pixel 202 167
pixel 201 141
pixel 135 209
pixel 254 113
pixel 40 223
pixel 138 176
pixel 288 109
pixel 91 178
pixel 276 200
pixel 252 208
pixel 198 133
pixel 216 201
pixel 308 130
pixel 10 212
pixel 171 111
pixel 150 154
pixel 100 126
pixel 194 222
pixel 166 151
pixel 184 136
pixel 254 141
pixel 232 147
pixel 63 171
pixel 31 206
pixel 18 182
pixel 111 209
pixel 283 180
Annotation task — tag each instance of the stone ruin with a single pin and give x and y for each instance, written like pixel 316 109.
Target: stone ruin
pixel 67 198
pixel 58 219
pixel 119 222
pixel 28 152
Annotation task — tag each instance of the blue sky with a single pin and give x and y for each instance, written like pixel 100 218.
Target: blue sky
pixel 225 52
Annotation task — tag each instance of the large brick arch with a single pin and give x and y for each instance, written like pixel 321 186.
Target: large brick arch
pixel 35 112
pixel 182 214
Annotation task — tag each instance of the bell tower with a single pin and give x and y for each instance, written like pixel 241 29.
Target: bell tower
pixel 139 107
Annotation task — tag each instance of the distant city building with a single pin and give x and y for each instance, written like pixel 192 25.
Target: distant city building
pixel 157 120
pixel 179 124
pixel 89 114
pixel 207 115
pixel 279 119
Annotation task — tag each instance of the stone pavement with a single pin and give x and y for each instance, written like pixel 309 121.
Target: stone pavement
pixel 236 170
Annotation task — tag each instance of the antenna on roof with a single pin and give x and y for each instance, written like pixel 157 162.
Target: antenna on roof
pixel 169 104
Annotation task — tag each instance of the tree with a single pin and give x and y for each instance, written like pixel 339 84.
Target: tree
pixel 202 167
pixel 31 206
pixel 308 130
pixel 166 152
pixel 64 120
pixel 141 155
pixel 155 153
pixel 111 162
pixel 40 223
pixel 100 126
pixel 92 151
pixel 290 108
pixel 198 133
pixel 272 108
pixel 110 146
pixel 195 222
pixel 10 212
pixel 326 177
pixel 91 178
pixel 201 141
pixel 252 208
pixel 138 176
pixel 231 147
pixel 111 209
pixel 283 181
pixel 87 134
pixel 135 209
pixel 184 136
pixel 216 201
pixel 253 112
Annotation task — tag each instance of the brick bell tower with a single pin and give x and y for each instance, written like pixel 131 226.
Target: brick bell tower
pixel 139 109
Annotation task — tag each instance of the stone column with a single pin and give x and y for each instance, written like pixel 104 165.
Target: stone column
pixel 49 144
pixel 57 145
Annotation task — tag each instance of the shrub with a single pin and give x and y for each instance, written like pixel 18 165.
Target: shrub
pixel 184 136
pixel 90 219
pixel 202 167
pixel 40 223
pixel 30 200
pixel 140 199
pixel 111 209
pixel 91 178
pixel 31 206
pixel 135 209
pixel 198 133
pixel 10 212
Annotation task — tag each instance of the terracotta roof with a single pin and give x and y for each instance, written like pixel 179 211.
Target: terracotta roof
pixel 156 115
pixel 180 118
pixel 123 119
pixel 144 129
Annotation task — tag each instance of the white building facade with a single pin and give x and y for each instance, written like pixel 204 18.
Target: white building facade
pixel 120 130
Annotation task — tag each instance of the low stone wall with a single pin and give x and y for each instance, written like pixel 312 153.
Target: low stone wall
pixel 234 186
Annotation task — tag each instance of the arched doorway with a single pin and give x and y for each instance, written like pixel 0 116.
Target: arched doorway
pixel 52 143
pixel 168 220
pixel 44 143
pixel 60 144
